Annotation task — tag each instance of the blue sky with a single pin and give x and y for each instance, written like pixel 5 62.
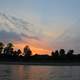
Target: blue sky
pixel 46 9
pixel 56 22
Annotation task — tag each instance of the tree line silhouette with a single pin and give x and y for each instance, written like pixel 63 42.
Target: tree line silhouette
pixel 9 54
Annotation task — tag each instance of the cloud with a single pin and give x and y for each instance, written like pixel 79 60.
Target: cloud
pixel 19 31
pixel 17 27
pixel 45 36
pixel 69 39
pixel 9 37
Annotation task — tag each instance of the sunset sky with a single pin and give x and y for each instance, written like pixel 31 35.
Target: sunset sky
pixel 44 25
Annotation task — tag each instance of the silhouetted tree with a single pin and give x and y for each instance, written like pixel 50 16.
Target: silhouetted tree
pixel 52 53
pixel 1 47
pixel 56 53
pixel 58 56
pixel 27 51
pixel 62 52
pixel 19 52
pixel 62 55
pixel 9 49
pixel 70 53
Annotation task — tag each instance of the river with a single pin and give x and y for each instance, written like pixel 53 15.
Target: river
pixel 36 72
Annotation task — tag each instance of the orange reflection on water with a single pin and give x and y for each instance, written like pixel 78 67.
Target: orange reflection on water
pixel 18 72
pixel 37 72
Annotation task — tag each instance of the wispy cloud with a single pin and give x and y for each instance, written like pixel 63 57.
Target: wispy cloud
pixel 43 36
pixel 17 26
pixel 17 30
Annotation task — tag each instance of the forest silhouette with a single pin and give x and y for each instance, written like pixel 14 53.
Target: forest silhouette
pixel 9 54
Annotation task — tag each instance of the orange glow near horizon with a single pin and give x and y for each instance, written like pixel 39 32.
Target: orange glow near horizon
pixel 35 50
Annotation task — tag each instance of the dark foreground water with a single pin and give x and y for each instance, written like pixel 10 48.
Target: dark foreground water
pixel 26 72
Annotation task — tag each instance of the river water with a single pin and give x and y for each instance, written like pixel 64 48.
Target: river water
pixel 33 72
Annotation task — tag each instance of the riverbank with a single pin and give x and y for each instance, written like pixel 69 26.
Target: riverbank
pixel 42 64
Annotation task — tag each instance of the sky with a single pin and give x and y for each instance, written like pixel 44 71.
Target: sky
pixel 44 25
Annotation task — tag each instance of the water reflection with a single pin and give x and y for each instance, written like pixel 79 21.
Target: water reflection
pixel 24 72
pixel 5 72
pixel 37 73
pixel 21 72
pixel 18 72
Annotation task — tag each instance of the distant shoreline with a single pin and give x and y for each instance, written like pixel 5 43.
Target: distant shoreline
pixel 41 63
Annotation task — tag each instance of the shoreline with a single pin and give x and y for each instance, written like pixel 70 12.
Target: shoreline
pixel 42 64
